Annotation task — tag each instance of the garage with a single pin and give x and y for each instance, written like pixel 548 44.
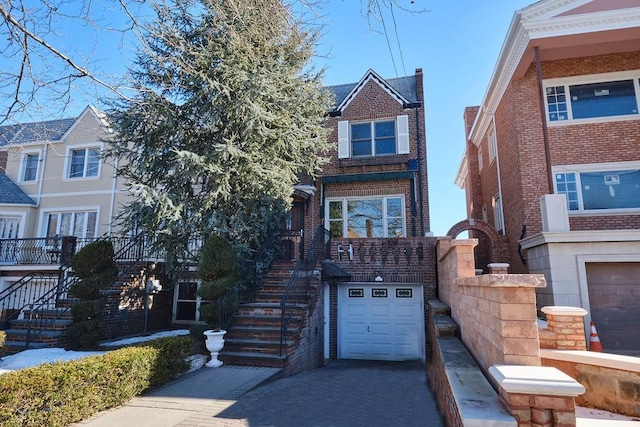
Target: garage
pixel 378 321
pixel 614 297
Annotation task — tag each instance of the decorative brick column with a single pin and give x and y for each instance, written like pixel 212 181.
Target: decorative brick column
pixel 565 328
pixel 537 396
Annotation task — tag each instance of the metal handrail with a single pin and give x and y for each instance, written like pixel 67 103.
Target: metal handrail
pixel 306 267
pixel 130 250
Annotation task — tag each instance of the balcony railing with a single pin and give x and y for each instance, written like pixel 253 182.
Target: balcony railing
pixel 44 250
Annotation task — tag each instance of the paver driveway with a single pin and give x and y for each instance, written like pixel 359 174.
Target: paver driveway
pixel 342 393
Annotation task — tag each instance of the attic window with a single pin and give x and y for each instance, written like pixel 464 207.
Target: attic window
pixel 373 138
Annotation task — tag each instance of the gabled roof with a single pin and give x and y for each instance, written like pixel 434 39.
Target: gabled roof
pixel 403 89
pixel 25 133
pixel 49 131
pixel 11 194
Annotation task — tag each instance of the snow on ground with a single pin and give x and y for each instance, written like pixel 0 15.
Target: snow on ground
pixel 589 417
pixel 35 357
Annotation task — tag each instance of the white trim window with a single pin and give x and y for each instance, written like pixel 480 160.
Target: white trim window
pixel 186 302
pixel 598 97
pixel 493 144
pixel 498 220
pixel 366 217
pixel 373 138
pixel 600 188
pixel 83 162
pixel 480 162
pixel 81 224
pixel 29 166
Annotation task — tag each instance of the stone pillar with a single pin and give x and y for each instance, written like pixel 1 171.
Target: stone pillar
pixel 498 268
pixel 537 396
pixel 565 328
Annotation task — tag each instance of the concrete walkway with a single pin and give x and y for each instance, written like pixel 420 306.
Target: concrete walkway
pixel 342 393
pixel 193 400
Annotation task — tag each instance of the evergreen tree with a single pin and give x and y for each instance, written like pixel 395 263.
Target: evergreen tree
pixel 227 114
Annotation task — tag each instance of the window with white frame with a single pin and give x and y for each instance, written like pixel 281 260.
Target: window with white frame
pixel 30 167
pixel 599 188
pixel 603 96
pixel 373 138
pixel 366 217
pixel 498 220
pixel 83 162
pixel 480 163
pixel 186 302
pixel 81 224
pixel 493 144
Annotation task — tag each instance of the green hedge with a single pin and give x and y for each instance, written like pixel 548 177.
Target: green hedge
pixel 3 337
pixel 61 393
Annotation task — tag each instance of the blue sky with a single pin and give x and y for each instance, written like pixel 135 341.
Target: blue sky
pixel 456 43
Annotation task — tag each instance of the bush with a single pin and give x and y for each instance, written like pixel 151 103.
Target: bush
pixel 85 333
pixel 218 270
pixel 93 258
pixel 65 392
pixel 3 337
pixel 85 310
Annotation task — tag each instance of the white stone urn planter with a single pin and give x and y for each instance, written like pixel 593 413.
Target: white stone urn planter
pixel 214 342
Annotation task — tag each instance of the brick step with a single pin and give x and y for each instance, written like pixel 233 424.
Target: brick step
pixel 252 359
pixel 267 333
pixel 38 336
pixel 13 347
pixel 266 309
pixel 67 302
pixel 255 346
pixel 52 313
pixel 53 325
pixel 263 321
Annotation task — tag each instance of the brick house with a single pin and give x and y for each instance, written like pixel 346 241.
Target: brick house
pixel 552 160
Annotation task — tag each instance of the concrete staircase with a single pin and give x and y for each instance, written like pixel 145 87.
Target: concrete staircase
pixel 254 337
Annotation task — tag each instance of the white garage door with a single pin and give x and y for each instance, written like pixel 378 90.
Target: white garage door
pixel 380 321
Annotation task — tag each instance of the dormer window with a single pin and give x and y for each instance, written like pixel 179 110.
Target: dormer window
pixel 373 138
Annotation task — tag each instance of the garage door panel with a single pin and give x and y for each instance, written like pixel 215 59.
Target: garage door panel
pixel 357 310
pixel 614 299
pixel 388 328
pixel 380 310
pixel 381 329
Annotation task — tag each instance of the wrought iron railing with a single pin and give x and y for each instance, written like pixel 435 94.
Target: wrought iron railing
pixel 18 296
pixel 298 288
pixel 44 250
pixel 127 251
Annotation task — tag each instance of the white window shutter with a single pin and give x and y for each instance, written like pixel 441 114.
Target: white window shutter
pixel 343 139
pixel 403 134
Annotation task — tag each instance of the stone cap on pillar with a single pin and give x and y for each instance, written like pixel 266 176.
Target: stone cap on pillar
pixel 535 380
pixel 558 310
pixel 498 268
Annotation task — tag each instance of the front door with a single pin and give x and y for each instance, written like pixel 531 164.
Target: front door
pixel 293 233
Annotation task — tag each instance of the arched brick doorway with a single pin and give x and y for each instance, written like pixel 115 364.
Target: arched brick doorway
pixel 496 250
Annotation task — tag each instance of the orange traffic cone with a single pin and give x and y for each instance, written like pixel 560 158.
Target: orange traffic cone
pixel 594 339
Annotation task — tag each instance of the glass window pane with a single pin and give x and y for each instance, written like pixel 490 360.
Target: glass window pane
pixel 77 163
pixel 385 146
pixel 364 218
pixel 362 148
pixel 186 311
pixel 187 291
pixel 335 228
pixel 65 224
pixel 394 228
pixel 603 99
pixel 360 131
pixel 91 224
pixel 30 167
pixel 335 209
pixel 52 225
pixel 93 162
pixel 385 129
pixel 610 189
pixel 394 207
pixel 78 224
